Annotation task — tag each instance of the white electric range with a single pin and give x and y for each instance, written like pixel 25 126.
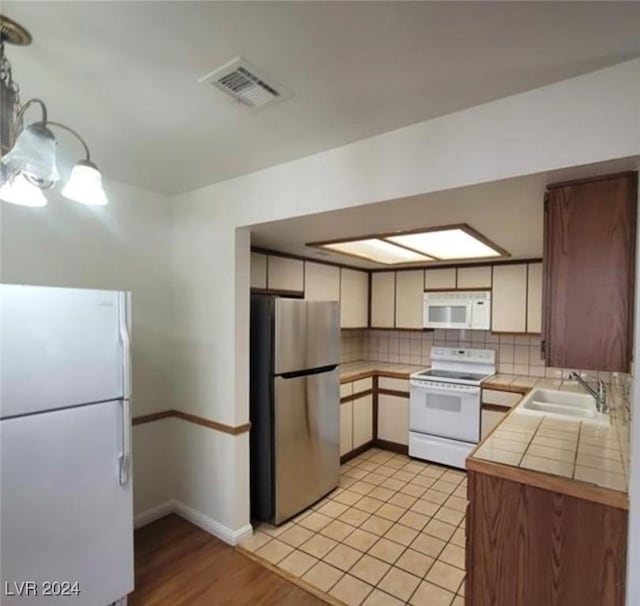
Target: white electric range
pixel 444 405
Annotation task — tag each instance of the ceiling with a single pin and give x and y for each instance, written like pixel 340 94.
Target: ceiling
pixel 125 74
pixel 509 212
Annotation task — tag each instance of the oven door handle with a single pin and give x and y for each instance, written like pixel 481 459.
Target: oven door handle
pixel 444 390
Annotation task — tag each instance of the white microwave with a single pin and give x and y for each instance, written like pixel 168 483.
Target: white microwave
pixel 468 310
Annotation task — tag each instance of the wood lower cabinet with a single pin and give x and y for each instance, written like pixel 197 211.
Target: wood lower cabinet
pixel 527 546
pixel 589 269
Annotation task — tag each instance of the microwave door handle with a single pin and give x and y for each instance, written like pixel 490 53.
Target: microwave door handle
pixel 472 308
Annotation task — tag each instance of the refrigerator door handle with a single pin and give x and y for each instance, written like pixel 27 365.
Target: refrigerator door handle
pixel 125 299
pixel 125 453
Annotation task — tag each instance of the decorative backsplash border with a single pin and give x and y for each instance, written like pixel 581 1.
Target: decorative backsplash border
pixel 515 354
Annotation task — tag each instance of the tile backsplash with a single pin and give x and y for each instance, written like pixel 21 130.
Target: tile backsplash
pixel 515 354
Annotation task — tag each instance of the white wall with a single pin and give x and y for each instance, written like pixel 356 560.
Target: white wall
pixel 124 246
pixel 592 118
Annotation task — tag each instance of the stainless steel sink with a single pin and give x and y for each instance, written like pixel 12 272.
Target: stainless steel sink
pixel 563 404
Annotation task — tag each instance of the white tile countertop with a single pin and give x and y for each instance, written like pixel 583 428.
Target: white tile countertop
pixel 352 371
pixel 569 449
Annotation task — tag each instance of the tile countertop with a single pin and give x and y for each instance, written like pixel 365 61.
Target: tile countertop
pixel 569 450
pixel 575 455
pixel 352 371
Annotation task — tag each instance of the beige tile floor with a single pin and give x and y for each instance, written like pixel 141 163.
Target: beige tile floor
pixel 392 533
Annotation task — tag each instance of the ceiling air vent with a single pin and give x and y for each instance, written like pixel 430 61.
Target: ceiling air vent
pixel 246 84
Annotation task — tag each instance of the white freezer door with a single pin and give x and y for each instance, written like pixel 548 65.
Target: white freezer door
pixel 64 513
pixel 61 347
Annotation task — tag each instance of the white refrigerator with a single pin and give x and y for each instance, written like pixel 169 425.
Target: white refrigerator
pixel 66 511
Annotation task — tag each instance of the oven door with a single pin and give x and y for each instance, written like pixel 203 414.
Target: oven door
pixel 445 410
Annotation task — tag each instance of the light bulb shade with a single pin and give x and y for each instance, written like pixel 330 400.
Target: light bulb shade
pixel 19 191
pixel 34 155
pixel 85 185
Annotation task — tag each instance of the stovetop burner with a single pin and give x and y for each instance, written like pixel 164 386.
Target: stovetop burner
pixel 452 374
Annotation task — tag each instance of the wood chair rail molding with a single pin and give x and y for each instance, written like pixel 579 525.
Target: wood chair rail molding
pixel 185 416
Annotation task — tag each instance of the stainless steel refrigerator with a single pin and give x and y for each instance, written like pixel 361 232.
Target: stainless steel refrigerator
pixel 295 400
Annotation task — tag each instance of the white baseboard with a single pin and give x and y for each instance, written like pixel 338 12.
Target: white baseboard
pixel 222 532
pixel 154 513
pixel 218 530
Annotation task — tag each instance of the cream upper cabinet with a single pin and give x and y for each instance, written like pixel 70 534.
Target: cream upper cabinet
pixel 393 418
pixel 383 299
pixel 440 279
pixel 258 270
pixel 474 277
pixel 321 282
pixel 509 298
pixel 362 421
pixel 409 298
pixel 285 274
pixel 354 298
pixel 534 298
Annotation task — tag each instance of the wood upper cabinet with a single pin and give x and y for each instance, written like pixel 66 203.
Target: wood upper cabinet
pixel 383 299
pixel 589 266
pixel 258 270
pixel 409 299
pixel 509 298
pixel 440 279
pixel 321 282
pixel 474 277
pixel 354 298
pixel 285 274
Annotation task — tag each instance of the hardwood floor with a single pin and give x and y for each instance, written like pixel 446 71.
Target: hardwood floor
pixel 177 563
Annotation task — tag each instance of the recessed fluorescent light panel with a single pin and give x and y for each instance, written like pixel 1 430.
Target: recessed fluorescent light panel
pixel 377 250
pixel 447 244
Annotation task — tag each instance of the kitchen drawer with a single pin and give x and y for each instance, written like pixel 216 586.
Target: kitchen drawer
pixel 500 398
pixel 393 384
pixel 363 385
pixel 346 389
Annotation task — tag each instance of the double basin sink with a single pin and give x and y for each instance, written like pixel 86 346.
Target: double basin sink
pixel 562 404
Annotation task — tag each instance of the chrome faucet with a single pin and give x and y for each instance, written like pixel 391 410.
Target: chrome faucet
pixel 599 394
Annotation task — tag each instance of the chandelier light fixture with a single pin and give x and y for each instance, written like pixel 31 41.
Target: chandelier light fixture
pixel 28 161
